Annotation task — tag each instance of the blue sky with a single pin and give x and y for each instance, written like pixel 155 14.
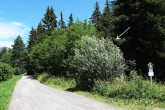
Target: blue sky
pixel 18 16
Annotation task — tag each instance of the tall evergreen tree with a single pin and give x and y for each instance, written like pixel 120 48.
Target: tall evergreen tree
pixel 40 32
pixel 40 28
pixel 61 22
pixel 49 20
pixel 106 21
pixel 146 39
pixel 70 20
pixel 18 53
pixel 96 16
pixel 32 38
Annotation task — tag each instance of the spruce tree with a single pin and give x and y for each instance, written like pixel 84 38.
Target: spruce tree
pixel 33 40
pixel 40 28
pixel 18 53
pixel 49 20
pixel 96 16
pixel 40 32
pixel 70 20
pixel 106 21
pixel 146 38
pixel 61 22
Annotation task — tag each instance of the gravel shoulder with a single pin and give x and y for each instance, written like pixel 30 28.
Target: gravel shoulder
pixel 29 94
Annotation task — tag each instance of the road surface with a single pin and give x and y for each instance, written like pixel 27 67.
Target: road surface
pixel 30 94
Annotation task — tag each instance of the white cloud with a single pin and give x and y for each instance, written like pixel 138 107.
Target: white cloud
pixel 6 43
pixel 9 30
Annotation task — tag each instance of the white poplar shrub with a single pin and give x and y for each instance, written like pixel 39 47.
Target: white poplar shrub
pixel 98 59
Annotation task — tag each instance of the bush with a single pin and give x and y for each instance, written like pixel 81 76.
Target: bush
pixel 97 59
pixel 48 55
pixel 6 71
pixel 56 81
pixel 136 88
pixel 19 71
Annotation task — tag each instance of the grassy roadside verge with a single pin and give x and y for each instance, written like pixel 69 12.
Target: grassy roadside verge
pixel 126 104
pixel 6 90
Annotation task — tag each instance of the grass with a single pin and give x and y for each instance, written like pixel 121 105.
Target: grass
pixel 136 94
pixel 6 90
pixel 57 82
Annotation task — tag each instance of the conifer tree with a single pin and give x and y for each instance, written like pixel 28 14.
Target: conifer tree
pixel 70 20
pixel 18 53
pixel 49 20
pixel 32 38
pixel 106 21
pixel 61 22
pixel 40 32
pixel 96 16
pixel 145 39
pixel 40 28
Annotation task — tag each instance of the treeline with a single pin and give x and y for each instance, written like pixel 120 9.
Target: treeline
pixel 89 51
pixel 77 50
pixel 144 42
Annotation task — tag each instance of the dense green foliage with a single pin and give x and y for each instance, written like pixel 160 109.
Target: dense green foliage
pixel 5 55
pixel 6 68
pixel 40 32
pixel 71 20
pixel 97 59
pixel 32 38
pixel 55 52
pixel 135 88
pixel 106 21
pixel 6 90
pixel 144 42
pixel 42 58
pixel 49 20
pixel 103 22
pixel 3 50
pixel 6 71
pixel 96 17
pixel 18 54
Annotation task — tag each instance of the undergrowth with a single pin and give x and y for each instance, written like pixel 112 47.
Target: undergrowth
pixel 135 93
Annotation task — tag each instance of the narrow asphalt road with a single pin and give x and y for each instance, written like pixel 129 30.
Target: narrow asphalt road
pixel 30 94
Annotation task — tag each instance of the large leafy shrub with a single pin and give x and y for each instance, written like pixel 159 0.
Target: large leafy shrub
pixel 6 71
pixel 97 59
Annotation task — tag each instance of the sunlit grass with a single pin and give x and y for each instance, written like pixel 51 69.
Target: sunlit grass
pixel 6 90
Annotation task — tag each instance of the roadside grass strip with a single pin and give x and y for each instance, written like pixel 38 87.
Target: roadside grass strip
pixel 6 90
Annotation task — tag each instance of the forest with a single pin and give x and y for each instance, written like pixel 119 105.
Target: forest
pixel 89 52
